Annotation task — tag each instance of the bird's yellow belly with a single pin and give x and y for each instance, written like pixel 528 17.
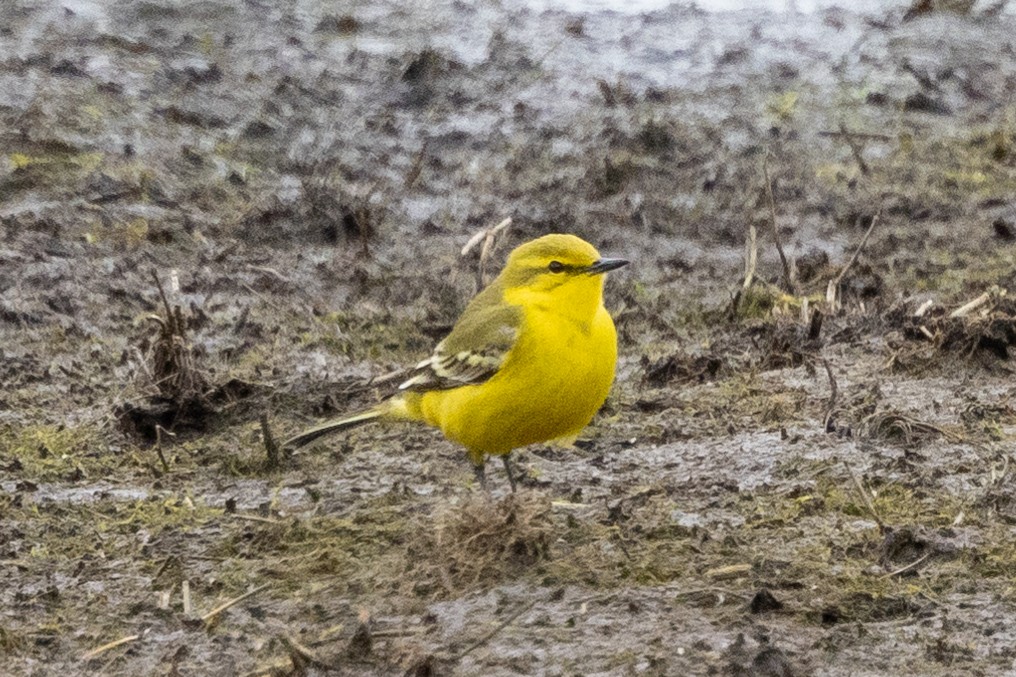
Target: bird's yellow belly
pixel 552 394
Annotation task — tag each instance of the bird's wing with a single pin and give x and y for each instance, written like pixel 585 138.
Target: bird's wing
pixel 472 352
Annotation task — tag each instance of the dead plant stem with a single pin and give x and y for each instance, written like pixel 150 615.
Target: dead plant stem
pixel 501 626
pixel 788 275
pixel 860 247
pixel 210 616
pixel 866 497
pixel 855 150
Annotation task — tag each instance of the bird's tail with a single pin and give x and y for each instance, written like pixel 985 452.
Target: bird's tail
pixel 335 425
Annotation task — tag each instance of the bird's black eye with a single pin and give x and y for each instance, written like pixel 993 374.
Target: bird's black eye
pixel 556 267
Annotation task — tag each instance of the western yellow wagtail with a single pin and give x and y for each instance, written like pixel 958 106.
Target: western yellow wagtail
pixel 531 359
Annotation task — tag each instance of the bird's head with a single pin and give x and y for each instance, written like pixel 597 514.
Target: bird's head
pixel 554 262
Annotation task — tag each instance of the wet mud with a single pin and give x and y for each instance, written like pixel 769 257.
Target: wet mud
pixel 220 222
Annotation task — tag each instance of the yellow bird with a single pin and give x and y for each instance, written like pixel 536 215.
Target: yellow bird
pixel 530 360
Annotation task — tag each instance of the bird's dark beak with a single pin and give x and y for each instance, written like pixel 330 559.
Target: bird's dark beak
pixel 605 265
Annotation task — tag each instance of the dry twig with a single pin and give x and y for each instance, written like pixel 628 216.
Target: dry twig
pixel 855 150
pixel 268 271
pixel 865 496
pixel 271 446
pixel 486 239
pixel 750 257
pixel 159 432
pixel 98 651
pixel 210 617
pixel 729 571
pixel 860 247
pixel 833 290
pixel 970 307
pixel 750 264
pixel 414 170
pixel 908 567
pixel 828 423
pixel 255 518
pixel 924 308
pixel 302 655
pixel 788 274
pixel 855 135
pixel 501 626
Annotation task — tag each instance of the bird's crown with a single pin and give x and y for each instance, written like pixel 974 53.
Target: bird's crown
pixel 568 250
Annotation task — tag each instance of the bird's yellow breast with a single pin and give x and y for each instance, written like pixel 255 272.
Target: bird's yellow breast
pixel 551 384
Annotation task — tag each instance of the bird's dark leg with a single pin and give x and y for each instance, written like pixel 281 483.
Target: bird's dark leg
pixel 481 475
pixel 508 469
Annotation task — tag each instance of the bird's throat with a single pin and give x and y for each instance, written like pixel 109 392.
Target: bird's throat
pixel 578 300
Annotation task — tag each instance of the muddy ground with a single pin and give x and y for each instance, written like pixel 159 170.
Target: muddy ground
pixel 300 179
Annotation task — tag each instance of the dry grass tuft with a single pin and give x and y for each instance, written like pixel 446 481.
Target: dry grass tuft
pixel 481 541
pixel 986 324
pixel 894 427
pixel 171 357
pixel 170 365
pixel 681 368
